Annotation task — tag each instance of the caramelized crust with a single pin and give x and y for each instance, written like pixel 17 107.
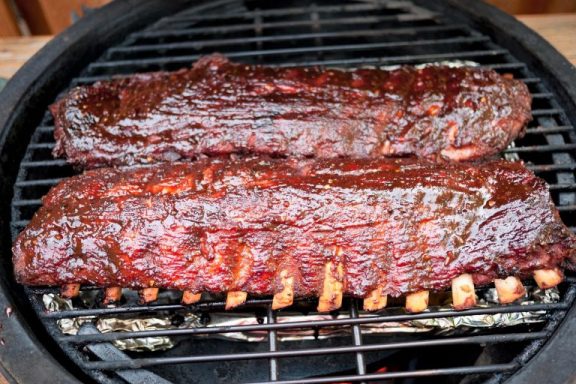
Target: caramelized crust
pixel 218 107
pixel 323 228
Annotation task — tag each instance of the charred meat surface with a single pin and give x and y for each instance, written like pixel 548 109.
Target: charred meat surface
pixel 362 227
pixel 219 107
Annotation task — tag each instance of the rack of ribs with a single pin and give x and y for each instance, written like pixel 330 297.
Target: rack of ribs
pixel 218 107
pixel 289 228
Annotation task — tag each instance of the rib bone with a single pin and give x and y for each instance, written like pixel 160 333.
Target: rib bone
pixel 548 278
pixel 463 295
pixel 331 297
pixel 189 297
pixel 375 300
pixel 417 301
pixel 235 298
pixel 148 295
pixel 69 291
pixel 509 289
pixel 112 295
pixel 285 297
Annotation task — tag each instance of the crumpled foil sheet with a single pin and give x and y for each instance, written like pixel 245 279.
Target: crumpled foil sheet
pixel 438 325
pixel 70 326
pixel 447 63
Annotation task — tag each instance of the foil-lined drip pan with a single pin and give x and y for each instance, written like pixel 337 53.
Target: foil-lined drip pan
pixel 190 319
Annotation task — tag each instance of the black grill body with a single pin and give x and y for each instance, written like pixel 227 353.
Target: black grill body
pixel 136 36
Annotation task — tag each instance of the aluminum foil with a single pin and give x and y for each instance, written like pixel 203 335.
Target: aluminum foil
pixel 437 325
pixel 70 326
pixel 448 63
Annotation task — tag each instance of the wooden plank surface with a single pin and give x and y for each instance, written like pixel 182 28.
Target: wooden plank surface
pixel 15 51
pixel 53 16
pixel 558 29
pixel 8 24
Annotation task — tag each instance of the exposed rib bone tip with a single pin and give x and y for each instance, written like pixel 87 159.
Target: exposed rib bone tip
pixel 375 300
pixel 235 298
pixel 189 297
pixel 417 301
pixel 463 295
pixel 112 295
pixel 548 278
pixel 285 297
pixel 148 295
pixel 68 291
pixel 509 289
pixel 333 289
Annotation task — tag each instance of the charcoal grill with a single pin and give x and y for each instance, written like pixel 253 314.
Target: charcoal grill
pixel 137 36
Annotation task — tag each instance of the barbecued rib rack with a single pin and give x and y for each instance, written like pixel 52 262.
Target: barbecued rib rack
pixel 377 32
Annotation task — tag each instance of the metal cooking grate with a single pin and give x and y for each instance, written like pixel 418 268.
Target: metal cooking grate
pixel 377 32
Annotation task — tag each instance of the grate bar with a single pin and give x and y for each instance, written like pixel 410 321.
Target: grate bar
pixel 542 148
pixel 551 167
pixel 42 145
pixel 507 66
pixel 272 346
pixel 286 51
pixel 492 368
pixel 45 129
pixel 38 182
pixel 216 6
pixel 82 339
pixel 146 309
pixel 20 223
pixel 44 163
pixel 561 187
pixel 531 80
pixel 288 37
pixel 280 24
pixel 357 339
pixel 344 62
pixel 27 202
pixel 545 130
pixel 402 59
pixel 546 112
pixel 83 80
pixel 146 362
pixel 543 95
pixel 403 5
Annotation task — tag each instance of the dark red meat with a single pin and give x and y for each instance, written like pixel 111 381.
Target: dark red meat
pixel 219 107
pixel 219 226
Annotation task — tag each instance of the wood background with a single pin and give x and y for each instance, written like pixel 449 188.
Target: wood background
pixel 560 30
pixel 50 17
pixel 517 7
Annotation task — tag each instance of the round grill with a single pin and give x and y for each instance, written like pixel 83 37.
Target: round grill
pixel 151 36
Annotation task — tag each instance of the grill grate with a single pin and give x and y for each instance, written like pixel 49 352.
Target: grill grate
pixel 378 32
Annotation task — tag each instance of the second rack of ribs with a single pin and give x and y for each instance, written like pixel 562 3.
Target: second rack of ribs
pixel 218 107
pixel 252 226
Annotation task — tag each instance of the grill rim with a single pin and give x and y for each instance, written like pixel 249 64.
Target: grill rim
pixel 51 68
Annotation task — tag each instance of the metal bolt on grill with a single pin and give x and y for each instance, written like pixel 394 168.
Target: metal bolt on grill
pixel 339 34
